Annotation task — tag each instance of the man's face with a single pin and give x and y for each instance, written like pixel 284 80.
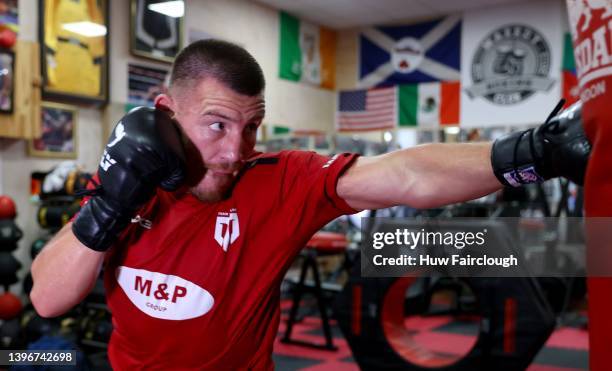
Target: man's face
pixel 222 128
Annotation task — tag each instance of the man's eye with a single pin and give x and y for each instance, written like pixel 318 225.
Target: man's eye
pixel 217 126
pixel 252 127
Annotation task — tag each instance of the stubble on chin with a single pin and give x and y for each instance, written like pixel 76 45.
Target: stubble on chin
pixel 211 193
pixel 208 196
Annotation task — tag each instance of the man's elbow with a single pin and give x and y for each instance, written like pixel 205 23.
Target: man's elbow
pixel 44 304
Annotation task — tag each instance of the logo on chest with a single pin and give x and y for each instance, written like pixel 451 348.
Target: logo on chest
pixel 227 228
pixel 164 296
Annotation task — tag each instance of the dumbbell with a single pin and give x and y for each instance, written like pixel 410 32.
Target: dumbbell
pixel 10 334
pixel 10 234
pixel 56 216
pixel 35 326
pixel 8 269
pixel 37 247
pixel 10 306
pixel 28 282
pixel 8 210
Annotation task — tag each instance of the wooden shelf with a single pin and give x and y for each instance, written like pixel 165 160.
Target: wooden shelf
pixel 24 122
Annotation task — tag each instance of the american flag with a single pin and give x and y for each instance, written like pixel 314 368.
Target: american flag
pixel 372 109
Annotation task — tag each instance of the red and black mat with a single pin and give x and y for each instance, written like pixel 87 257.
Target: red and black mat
pixel 565 350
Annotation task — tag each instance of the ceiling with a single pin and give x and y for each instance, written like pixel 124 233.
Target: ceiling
pixel 340 14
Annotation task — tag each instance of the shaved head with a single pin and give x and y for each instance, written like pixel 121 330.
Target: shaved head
pixel 226 62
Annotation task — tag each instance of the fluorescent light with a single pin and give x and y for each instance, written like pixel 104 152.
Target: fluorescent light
pixel 388 136
pixel 174 9
pixel 87 29
pixel 452 130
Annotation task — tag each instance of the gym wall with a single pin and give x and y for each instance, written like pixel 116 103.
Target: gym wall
pixel 16 165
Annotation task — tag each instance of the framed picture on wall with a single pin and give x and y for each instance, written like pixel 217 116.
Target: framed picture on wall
pixel 74 50
pixel 156 29
pixel 144 84
pixel 9 21
pixel 59 132
pixel 7 80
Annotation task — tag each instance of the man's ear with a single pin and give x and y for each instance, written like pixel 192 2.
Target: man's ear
pixel 165 102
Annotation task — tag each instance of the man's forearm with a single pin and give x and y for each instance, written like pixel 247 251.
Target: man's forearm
pixel 442 174
pixel 63 273
pixel 424 176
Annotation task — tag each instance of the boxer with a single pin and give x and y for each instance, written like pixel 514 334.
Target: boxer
pixel 195 230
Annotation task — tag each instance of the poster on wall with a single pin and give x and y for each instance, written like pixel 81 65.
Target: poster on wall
pixel 156 30
pixel 144 84
pixel 511 64
pixel 58 128
pixel 9 22
pixel 7 80
pixel 74 45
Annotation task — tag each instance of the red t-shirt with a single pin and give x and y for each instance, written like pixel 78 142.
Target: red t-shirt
pixel 200 288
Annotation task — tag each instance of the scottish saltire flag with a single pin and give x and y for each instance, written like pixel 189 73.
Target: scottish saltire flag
pixel 372 109
pixel 422 52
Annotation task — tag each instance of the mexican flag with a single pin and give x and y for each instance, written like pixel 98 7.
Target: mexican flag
pixel 429 104
pixel 307 52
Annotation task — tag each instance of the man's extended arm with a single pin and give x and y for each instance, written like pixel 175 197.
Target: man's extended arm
pixel 440 174
pixel 424 176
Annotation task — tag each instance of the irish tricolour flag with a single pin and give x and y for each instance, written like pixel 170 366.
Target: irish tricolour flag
pixel 307 52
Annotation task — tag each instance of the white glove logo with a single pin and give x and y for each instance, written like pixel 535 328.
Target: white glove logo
pixel 106 161
pixel 119 134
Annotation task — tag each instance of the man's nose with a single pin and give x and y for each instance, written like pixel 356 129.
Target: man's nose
pixel 232 148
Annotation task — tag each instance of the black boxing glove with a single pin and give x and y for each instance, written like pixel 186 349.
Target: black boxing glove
pixel 559 147
pixel 145 151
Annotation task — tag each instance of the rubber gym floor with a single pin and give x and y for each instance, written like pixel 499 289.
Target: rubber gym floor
pixel 565 350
